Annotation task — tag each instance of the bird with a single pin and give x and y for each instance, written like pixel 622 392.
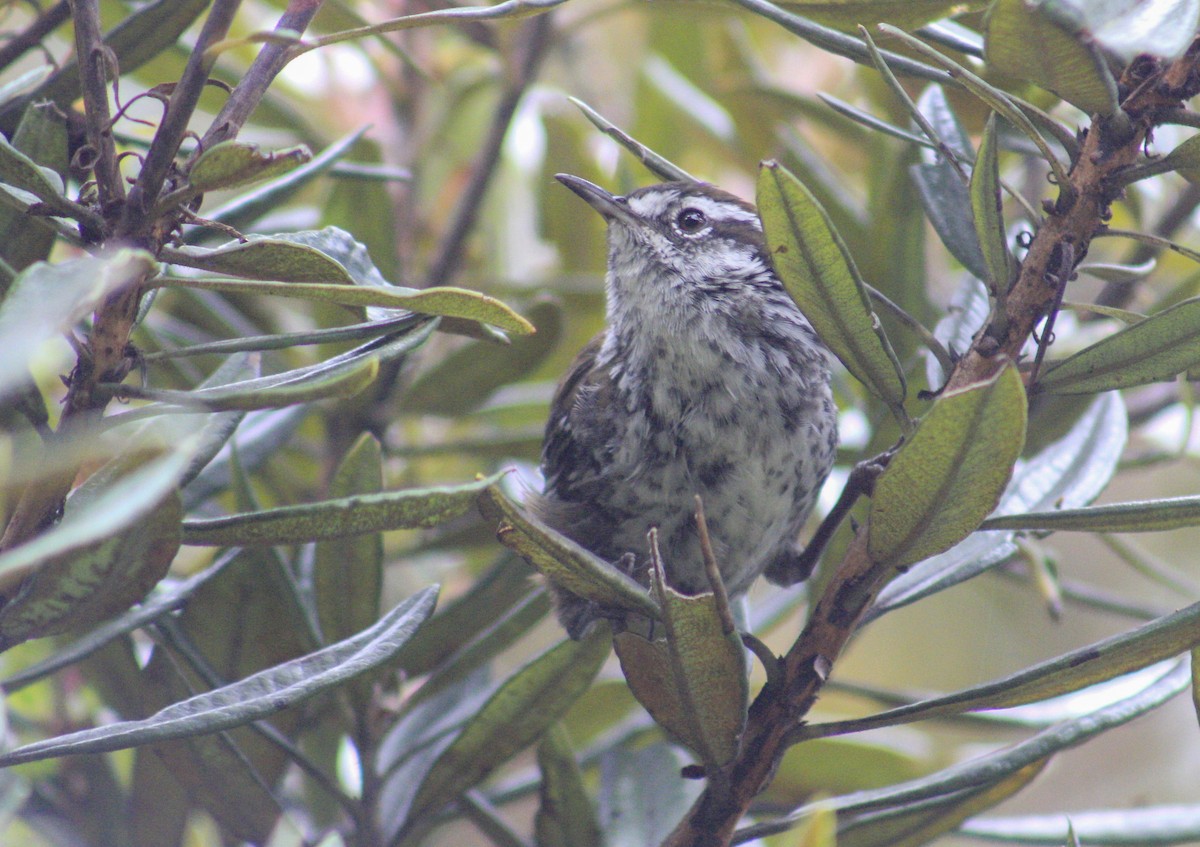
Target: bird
pixel 706 380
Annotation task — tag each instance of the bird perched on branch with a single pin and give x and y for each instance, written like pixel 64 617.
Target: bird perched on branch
pixel 707 381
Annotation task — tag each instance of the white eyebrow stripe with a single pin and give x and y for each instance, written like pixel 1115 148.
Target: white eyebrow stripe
pixel 720 211
pixel 652 204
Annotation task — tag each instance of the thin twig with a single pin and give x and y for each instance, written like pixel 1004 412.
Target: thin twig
pixel 266 66
pixel 95 62
pixel 136 216
pixel 535 40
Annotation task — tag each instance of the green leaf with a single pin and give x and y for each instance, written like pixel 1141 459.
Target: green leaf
pixel 465 378
pixel 923 822
pixel 490 597
pixel 96 514
pixel 693 682
pixel 950 474
pixel 235 163
pixel 520 710
pixel 21 171
pixel 1027 42
pixel 1158 348
pixel 988 211
pixel 991 768
pixel 947 204
pixel 338 518
pixel 820 275
pixel 1000 102
pixel 565 817
pixel 562 560
pixel 1185 159
pixel 90 584
pixel 249 699
pixel 1104 660
pixel 260 257
pixel 240 212
pixel 447 301
pixel 28 317
pixel 1135 516
pixel 1071 471
pixel 158 603
pixel 348 572
pixel 303 385
pixel 42 135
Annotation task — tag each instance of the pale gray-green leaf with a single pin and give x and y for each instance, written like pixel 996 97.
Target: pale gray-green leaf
pixel 821 277
pixel 950 474
pixel 338 518
pixel 249 699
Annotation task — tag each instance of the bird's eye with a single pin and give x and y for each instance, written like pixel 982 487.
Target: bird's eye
pixel 690 221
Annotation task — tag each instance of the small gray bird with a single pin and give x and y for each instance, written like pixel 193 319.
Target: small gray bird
pixel 708 380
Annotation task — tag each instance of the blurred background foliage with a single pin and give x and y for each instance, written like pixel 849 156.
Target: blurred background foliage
pixel 435 149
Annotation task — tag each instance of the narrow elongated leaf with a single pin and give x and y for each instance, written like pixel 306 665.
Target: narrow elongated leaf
pixel 520 710
pixel 1026 42
pixel 1104 660
pixel 261 257
pixel 304 385
pixel 988 211
pixel 947 204
pixel 1158 348
pixel 949 476
pixel 159 603
pixel 1144 826
pixel 252 698
pixel 29 317
pixel 821 277
pixel 234 163
pixel 641 794
pixel 347 572
pixel 447 301
pixel 338 518
pixel 565 817
pixel 990 768
pixel 848 14
pixel 564 561
pixel 19 170
pixel 1000 102
pixel 926 821
pixel 421 734
pixel 1135 516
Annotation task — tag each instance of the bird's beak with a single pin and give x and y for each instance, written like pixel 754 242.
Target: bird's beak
pixel 612 208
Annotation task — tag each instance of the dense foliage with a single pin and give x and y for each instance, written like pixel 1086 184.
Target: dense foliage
pixel 284 291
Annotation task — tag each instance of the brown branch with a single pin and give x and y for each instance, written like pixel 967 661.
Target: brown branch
pixel 1078 215
pixel 266 66
pixel 95 61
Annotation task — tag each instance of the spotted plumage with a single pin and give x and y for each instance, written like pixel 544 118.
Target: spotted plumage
pixel 708 380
